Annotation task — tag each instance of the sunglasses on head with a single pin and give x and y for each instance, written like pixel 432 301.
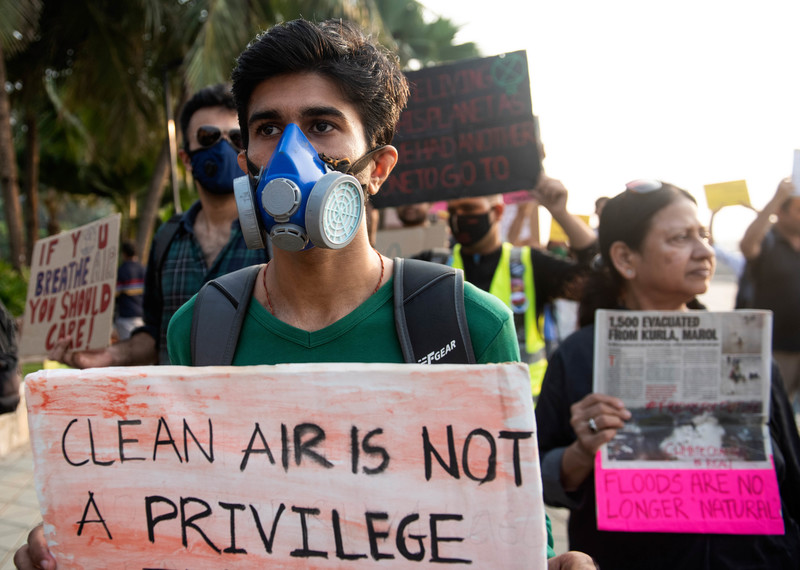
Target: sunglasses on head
pixel 208 135
pixel 643 186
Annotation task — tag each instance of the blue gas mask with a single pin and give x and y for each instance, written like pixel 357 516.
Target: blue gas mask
pixel 215 167
pixel 299 199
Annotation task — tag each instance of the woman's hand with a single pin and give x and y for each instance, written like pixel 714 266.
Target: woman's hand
pixel 572 560
pixel 595 420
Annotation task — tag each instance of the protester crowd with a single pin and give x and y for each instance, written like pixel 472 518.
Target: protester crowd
pixel 328 88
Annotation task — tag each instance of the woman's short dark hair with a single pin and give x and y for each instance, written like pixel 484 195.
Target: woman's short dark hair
pixel 367 73
pixel 626 217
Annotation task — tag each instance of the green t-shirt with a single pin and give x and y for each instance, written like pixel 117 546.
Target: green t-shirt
pixel 367 334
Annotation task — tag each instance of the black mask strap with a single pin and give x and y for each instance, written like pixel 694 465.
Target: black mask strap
pixel 252 169
pixel 345 166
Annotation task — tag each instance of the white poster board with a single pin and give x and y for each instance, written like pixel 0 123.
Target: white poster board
pixel 288 466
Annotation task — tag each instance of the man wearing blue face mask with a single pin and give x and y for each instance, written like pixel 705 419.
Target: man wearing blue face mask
pixel 202 244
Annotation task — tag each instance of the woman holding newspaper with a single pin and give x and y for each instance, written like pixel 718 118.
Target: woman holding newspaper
pixel 654 255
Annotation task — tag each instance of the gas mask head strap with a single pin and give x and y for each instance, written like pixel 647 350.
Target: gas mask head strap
pixel 345 166
pixel 338 164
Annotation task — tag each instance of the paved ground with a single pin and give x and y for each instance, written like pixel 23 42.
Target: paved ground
pixel 19 507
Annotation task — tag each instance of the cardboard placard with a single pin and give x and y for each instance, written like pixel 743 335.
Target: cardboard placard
pixel 300 465
pixel 71 289
pixel 468 130
pixel 722 194
pixel 407 242
pixel 557 233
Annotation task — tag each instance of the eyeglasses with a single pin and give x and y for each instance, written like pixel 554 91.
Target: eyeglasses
pixel 208 135
pixel 643 186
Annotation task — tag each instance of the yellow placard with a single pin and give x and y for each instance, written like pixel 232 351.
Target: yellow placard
pixel 732 193
pixel 558 234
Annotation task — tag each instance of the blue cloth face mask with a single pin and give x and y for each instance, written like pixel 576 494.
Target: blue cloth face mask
pixel 299 199
pixel 215 167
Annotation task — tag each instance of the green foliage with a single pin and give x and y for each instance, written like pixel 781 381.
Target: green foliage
pixel 18 19
pixel 13 288
pixel 90 77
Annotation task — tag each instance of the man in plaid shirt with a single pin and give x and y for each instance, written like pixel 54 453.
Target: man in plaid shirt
pixel 202 244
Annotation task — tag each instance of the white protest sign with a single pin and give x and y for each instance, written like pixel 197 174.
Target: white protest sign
pixel 796 172
pixel 71 288
pixel 300 465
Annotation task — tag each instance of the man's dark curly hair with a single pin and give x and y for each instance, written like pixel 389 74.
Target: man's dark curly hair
pixel 367 73
pixel 213 96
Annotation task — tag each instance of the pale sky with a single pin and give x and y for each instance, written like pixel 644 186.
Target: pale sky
pixel 690 92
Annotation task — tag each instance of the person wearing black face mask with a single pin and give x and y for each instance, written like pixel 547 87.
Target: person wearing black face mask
pixel 201 244
pixel 524 278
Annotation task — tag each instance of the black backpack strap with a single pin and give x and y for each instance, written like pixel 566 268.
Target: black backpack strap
pixel 219 312
pixel 429 313
pixel 163 239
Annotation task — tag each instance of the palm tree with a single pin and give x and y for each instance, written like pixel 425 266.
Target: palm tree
pixel 94 81
pixel 418 40
pixel 18 20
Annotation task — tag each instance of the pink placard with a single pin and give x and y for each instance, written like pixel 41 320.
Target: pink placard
pixel 517 197
pixel 290 466
pixel 719 501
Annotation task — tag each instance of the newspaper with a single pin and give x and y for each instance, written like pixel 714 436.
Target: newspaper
pixel 697 384
pixel 695 456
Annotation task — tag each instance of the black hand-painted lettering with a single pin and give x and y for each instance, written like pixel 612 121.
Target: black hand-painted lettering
pixel 123 441
pixel 91 445
pixel 400 540
pixel 302 448
pixel 436 539
pixel 233 507
pixel 99 518
pixel 190 522
pixel 428 450
pixel 168 441
pixel 491 461
pixel 337 537
pixel 153 521
pixel 268 542
pixel 515 436
pixel 187 432
pixel 250 449
pixel 370 449
pixel 64 446
pixel 374 535
pixel 306 552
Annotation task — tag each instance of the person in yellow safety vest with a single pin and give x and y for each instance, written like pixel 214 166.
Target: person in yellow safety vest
pixel 524 278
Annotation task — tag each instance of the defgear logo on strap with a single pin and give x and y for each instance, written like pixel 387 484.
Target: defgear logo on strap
pixel 435 355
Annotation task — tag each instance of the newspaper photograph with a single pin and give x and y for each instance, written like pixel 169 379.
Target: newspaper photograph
pixel 697 384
